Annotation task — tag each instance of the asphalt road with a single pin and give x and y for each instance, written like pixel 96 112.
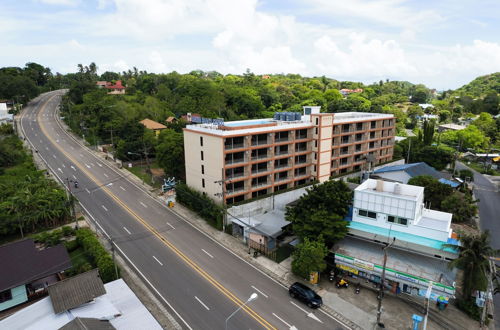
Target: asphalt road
pixel 198 280
pixel 489 213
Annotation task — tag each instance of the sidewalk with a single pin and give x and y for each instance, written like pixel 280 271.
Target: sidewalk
pixel 356 310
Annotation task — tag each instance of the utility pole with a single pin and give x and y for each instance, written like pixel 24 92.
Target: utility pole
pixel 381 287
pixel 72 204
pixel 409 147
pixel 488 294
pixel 222 182
pixel 427 303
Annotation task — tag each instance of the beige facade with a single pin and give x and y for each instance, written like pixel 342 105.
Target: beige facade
pixel 259 157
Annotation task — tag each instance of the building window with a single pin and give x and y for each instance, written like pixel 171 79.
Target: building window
pixel 202 155
pixel 201 141
pixel 5 295
pixel 373 124
pixel 317 123
pixel 316 131
pixel 202 169
pixel 368 214
pixel 203 183
pixel 315 143
pixel 372 135
pixel 398 220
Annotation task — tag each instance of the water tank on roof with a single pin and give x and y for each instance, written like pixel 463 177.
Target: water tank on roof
pixel 276 116
pixel 298 116
pixel 290 116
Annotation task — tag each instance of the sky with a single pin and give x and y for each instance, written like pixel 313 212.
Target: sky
pixel 443 44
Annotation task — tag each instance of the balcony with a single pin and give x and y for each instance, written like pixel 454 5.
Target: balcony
pixel 260 139
pixel 281 178
pixel 236 173
pixel 231 191
pixel 233 161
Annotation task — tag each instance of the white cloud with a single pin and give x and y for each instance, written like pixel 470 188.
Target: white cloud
pixel 60 2
pixel 230 36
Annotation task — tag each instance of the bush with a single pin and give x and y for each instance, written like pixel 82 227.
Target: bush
pixel 71 245
pixel 97 253
pixel 49 238
pixel 470 308
pixel 201 204
pixel 462 174
pixel 68 231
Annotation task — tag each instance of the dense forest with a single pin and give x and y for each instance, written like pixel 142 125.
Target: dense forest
pixel 114 119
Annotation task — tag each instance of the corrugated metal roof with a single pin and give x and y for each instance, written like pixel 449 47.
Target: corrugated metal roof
pixel 83 323
pixel 453 184
pixel 414 169
pixel 75 291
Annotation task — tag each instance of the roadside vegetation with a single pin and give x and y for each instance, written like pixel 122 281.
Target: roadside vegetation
pixel 30 202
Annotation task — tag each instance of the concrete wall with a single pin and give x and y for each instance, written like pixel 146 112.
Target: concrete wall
pixel 18 297
pixel 213 158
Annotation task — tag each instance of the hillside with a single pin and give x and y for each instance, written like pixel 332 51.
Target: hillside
pixel 481 86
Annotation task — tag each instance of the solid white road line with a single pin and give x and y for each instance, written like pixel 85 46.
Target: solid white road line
pixel 201 302
pixel 106 175
pixel 158 261
pixel 104 207
pixel 127 230
pixel 122 188
pixel 279 318
pixel 262 293
pixel 170 225
pixel 143 204
pixel 208 254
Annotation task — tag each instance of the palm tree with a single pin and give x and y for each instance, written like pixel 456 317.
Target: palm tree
pixel 473 259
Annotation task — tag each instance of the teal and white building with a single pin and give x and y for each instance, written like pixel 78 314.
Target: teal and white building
pixel 392 213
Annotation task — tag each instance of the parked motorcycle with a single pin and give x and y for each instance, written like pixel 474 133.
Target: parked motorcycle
pixel 331 277
pixel 342 284
pixel 358 288
pixel 76 184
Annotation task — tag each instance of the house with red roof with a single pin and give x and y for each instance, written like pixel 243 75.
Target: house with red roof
pixel 116 88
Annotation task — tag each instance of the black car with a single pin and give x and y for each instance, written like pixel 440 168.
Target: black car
pixel 306 295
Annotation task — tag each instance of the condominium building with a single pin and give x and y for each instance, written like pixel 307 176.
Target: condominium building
pixel 240 160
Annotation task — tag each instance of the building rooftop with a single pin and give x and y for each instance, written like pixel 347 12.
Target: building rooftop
pixel 22 263
pixel 414 169
pixel 342 117
pixel 400 190
pixel 75 291
pixel 151 124
pixel 84 323
pixel 452 126
pixel 120 306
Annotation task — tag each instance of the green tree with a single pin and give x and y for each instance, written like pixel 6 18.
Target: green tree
pixel 308 257
pixel 321 211
pixel 434 191
pixel 420 94
pixel 460 205
pixel 486 124
pixel 428 132
pixel 473 259
pixel 170 153
pixel 435 156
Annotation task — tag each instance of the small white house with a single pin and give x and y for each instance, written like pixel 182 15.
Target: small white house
pixel 386 210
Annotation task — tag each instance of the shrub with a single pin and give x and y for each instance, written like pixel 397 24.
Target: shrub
pixel 71 245
pixel 470 308
pixel 68 231
pixel 201 204
pixel 462 174
pixel 97 253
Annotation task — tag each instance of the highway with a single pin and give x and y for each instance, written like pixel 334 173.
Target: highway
pixel 199 281
pixel 489 208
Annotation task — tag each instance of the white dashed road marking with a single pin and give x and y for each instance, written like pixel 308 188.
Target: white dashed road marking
pixel 127 230
pixel 262 293
pixel 201 302
pixel 158 261
pixel 104 207
pixel 208 254
pixel 143 204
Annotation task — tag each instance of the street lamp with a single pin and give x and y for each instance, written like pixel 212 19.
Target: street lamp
pixel 252 297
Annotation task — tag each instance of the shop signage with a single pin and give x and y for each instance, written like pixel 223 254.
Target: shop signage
pixel 406 278
pixel 347 268
pixel 363 264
